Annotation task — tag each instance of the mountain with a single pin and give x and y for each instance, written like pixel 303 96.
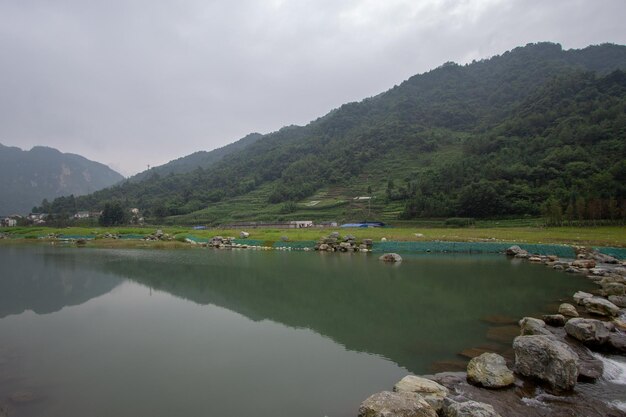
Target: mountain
pixel 200 159
pixel 27 177
pixel 536 129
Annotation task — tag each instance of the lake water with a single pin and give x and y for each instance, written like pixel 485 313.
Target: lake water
pixel 96 332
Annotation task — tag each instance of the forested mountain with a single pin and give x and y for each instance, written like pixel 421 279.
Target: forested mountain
pixel 200 159
pixel 27 177
pixel 534 128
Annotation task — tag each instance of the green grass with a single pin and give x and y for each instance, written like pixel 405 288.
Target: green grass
pixel 586 236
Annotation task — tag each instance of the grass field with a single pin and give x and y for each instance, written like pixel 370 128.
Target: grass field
pixel 585 236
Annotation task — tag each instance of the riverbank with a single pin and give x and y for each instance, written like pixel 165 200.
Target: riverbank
pixel 609 236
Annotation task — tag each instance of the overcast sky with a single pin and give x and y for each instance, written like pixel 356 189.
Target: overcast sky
pixel 135 82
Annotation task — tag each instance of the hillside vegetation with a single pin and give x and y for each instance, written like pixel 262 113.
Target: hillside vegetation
pixel 537 130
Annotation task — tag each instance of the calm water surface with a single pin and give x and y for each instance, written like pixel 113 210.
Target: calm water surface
pixel 92 332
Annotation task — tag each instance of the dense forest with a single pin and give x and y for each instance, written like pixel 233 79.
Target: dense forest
pixel 537 130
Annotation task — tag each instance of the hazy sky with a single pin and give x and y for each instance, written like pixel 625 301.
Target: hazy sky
pixel 136 82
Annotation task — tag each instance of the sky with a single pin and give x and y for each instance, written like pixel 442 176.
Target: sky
pixel 132 83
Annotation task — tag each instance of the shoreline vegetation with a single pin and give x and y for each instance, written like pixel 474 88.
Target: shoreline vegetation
pixel 607 236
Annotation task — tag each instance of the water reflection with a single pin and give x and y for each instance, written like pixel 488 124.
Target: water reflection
pixel 426 310
pixel 45 281
pixel 203 332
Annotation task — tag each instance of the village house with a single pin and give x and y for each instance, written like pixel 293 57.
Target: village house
pixel 8 222
pixel 82 215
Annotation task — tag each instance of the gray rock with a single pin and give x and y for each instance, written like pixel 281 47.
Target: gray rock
pixel 579 296
pixel 600 306
pixel 555 320
pixel 432 392
pixel 514 250
pixel 618 300
pixel 568 310
pixel 390 257
pixel 617 343
pixel 489 370
pixel 546 359
pixel 584 263
pixel 469 409
pixel 395 404
pixel 589 331
pixel 613 288
pixel 244 235
pixel 530 325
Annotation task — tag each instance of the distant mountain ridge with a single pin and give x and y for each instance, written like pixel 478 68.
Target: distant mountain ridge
pixel 498 137
pixel 28 177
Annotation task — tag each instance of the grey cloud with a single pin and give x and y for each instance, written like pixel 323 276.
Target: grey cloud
pixel 141 82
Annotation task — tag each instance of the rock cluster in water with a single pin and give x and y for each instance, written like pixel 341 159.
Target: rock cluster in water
pixel 551 356
pixel 335 243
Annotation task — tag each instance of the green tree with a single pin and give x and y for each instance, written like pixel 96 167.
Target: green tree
pixel 112 215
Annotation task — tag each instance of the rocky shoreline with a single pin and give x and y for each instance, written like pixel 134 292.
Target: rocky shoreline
pixel 553 358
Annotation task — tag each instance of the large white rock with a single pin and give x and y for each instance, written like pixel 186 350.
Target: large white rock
pixel 431 391
pixel 490 371
pixel 600 306
pixel 396 404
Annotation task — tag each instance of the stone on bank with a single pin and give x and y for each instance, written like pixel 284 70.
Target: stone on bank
pixel 546 359
pixel 396 404
pixel 432 392
pixel 489 370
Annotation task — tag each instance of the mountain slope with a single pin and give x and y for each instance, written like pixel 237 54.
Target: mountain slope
pixel 200 159
pixel 27 177
pixel 459 140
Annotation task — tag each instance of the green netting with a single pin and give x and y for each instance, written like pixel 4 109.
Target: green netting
pixel 619 253
pixel 295 245
pixel 131 236
pixel 249 242
pixel 471 247
pixel 68 237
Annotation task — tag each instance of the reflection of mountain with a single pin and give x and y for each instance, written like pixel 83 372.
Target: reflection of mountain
pixel 46 281
pixel 426 309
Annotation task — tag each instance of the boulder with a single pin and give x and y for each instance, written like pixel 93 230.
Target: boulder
pixel 531 326
pixel 534 259
pixel 546 359
pixel 395 404
pixel 600 306
pixel 489 370
pixel 432 392
pixel 244 235
pixel 323 246
pixel 589 331
pixel 613 288
pixel 390 257
pixel 618 300
pixel 617 343
pixel 469 409
pixel 555 320
pixel 568 310
pixel 579 296
pixel 584 263
pixel 514 250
